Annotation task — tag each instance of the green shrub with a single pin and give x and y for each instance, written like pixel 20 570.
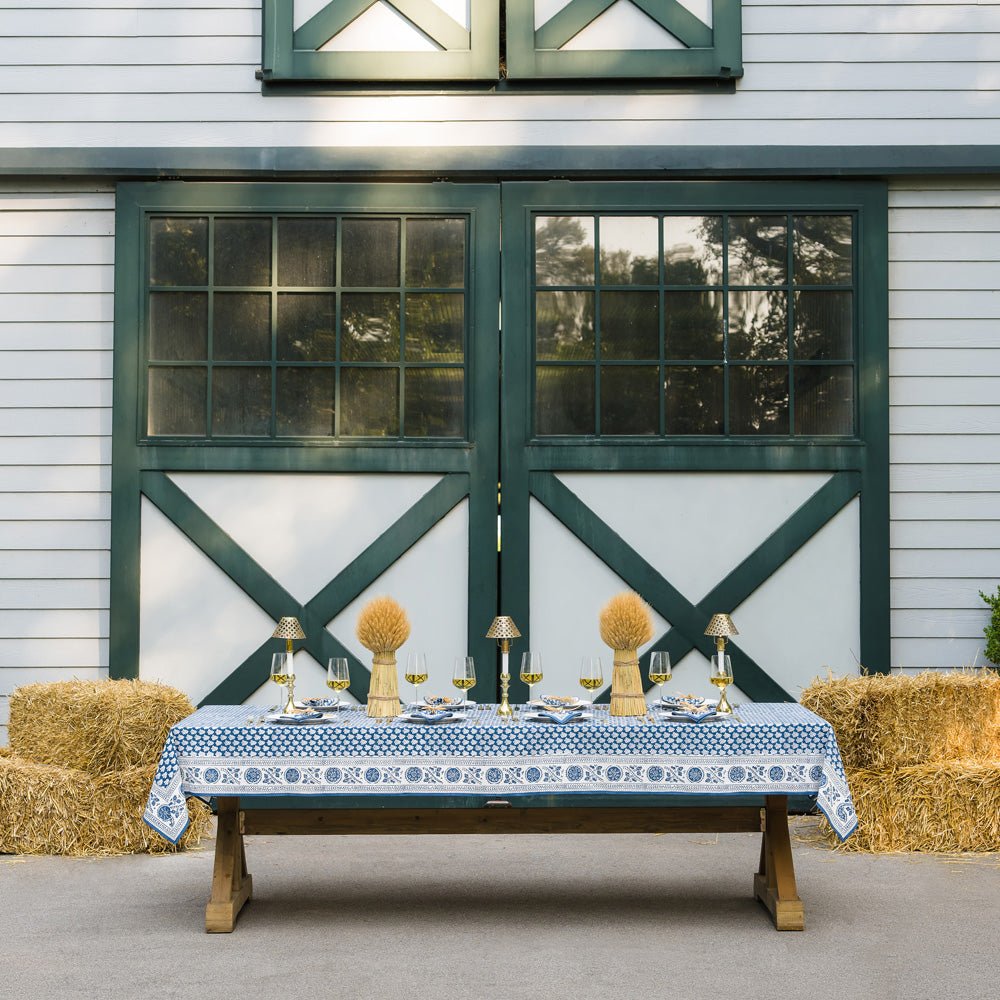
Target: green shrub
pixel 992 630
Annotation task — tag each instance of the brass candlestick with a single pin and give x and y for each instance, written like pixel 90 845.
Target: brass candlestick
pixel 721 626
pixel 289 629
pixel 503 630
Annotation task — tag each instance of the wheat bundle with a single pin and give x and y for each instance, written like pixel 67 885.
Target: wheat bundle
pixel 944 807
pixel 626 624
pixel 95 726
pixel 382 628
pixel 887 721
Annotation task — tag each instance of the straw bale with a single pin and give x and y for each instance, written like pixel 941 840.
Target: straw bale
pixel 944 807
pixel 46 809
pixel 895 720
pixel 94 726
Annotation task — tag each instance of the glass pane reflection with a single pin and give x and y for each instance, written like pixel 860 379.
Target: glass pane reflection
pixel 242 252
pixel 693 325
pixel 369 327
pixel 178 326
pixel 758 325
pixel 630 399
pixel 564 399
pixel 176 404
pixel 823 249
pixel 178 251
pixel 241 327
pixel 435 326
pixel 694 399
pixel 564 250
pixel 629 250
pixel 434 402
pixel 370 253
pixel 369 402
pixel 630 325
pixel 305 403
pixel 307 326
pixel 241 401
pixel 758 246
pixel 435 253
pixel 758 399
pixel 824 326
pixel 824 399
pixel 692 250
pixel 564 326
pixel 307 252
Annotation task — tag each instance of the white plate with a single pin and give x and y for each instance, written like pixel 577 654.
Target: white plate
pixel 670 703
pixel 459 706
pixel 565 705
pixel 328 704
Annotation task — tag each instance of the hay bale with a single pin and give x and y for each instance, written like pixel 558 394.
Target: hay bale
pixel 886 721
pixel 46 809
pixel 94 726
pixel 945 807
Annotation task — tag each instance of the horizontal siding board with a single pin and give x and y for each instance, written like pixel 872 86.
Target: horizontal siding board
pixel 944 220
pixel 75 365
pixel 55 535
pixel 955 506
pixel 57 223
pixel 89 308
pixel 52 251
pixel 945 304
pixel 70 51
pixel 55 336
pixel 936 477
pixel 946 535
pixel 931 594
pixel 935 247
pixel 48 623
pixel 962 334
pixel 53 506
pixel 944 563
pixel 201 79
pixel 939 624
pixel 36 594
pixel 15 677
pixel 869 19
pixel 57 393
pixel 794 76
pixel 64 564
pixel 954 449
pixel 63 422
pixel 941 196
pixel 958 275
pixel 20 653
pixel 139 22
pixel 49 478
pixel 13 199
pixel 944 419
pixel 55 451
pixel 944 361
pixel 60 278
pixel 937 653
pixel 945 390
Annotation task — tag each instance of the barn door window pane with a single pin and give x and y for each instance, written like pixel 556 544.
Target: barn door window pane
pixel 301 326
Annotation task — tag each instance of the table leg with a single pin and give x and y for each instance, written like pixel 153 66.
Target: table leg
pixel 774 883
pixel 231 885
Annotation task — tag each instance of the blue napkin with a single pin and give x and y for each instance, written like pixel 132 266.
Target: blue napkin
pixel 429 716
pixel 560 717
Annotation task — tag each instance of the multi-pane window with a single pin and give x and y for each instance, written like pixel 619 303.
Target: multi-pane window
pixel 723 324
pixel 306 326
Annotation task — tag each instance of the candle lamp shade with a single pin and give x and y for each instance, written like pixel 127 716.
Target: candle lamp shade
pixel 503 627
pixel 722 626
pixel 288 628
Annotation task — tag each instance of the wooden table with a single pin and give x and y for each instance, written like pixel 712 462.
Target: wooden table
pixel 773 884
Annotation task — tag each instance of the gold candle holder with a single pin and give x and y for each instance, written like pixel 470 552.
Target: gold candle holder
pixel 289 629
pixel 503 630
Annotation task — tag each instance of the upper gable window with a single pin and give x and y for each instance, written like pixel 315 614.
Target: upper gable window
pixel 464 41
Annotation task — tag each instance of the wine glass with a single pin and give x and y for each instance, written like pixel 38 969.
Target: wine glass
pixel 531 670
pixel 282 672
pixel 591 675
pixel 416 672
pixel 463 676
pixel 659 671
pixel 721 675
pixel 338 674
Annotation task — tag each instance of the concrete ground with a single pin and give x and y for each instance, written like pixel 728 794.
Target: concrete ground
pixel 501 917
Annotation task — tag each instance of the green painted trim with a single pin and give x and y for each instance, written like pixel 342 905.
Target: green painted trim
pixel 290 55
pixel 506 162
pixel 538 54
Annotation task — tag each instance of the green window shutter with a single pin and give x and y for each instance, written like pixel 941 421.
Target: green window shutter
pixel 455 51
pixel 686 46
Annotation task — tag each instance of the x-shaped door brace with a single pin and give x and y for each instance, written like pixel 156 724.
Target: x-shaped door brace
pixel 688 620
pixel 276 601
pixel 575 16
pixel 427 16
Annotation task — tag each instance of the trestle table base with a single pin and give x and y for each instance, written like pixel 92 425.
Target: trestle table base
pixel 774 883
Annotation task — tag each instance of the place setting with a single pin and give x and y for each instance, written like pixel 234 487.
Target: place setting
pixel 437 709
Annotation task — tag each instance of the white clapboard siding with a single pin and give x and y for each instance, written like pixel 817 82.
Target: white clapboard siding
pixel 944 272
pixel 181 73
pixel 56 307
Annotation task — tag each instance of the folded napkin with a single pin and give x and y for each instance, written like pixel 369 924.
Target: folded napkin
pixel 298 717
pixel 428 716
pixel 560 717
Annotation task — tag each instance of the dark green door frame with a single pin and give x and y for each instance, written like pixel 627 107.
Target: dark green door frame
pixel 141 466
pixel 858 465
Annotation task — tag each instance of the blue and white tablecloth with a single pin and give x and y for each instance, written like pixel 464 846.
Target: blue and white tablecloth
pixel 781 749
